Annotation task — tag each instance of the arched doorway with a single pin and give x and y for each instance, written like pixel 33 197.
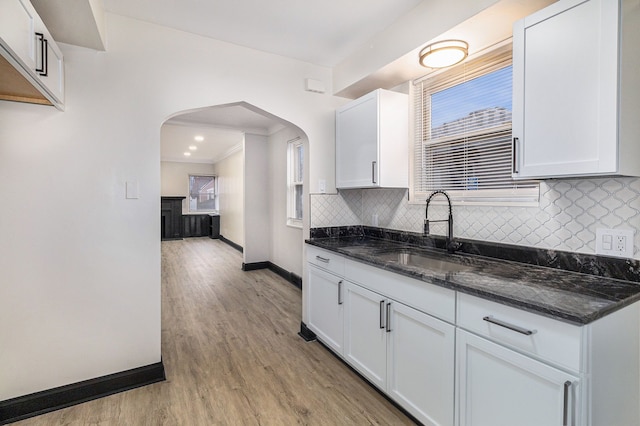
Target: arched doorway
pixel 246 149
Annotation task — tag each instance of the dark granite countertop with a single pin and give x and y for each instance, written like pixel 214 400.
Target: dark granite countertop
pixel 573 297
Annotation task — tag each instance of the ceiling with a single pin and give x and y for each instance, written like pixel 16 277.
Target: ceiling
pixel 77 22
pixel 175 140
pixel 323 33
pixel 223 128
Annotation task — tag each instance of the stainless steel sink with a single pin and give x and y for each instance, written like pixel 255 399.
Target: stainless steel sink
pixel 434 264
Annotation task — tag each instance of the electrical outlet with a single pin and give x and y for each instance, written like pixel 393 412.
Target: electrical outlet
pixel 615 242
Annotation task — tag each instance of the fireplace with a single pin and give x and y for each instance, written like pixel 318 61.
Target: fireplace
pixel 171 218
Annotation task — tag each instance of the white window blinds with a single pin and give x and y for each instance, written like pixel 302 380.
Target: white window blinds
pixel 463 133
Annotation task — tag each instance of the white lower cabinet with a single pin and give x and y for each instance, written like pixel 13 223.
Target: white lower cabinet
pixel 452 358
pixel 500 387
pixel 406 353
pixel 365 333
pixel 420 364
pixel 326 307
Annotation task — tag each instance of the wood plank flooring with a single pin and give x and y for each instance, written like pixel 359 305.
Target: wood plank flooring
pixel 233 357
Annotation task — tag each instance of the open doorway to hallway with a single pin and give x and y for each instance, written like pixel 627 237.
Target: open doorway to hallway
pixel 246 151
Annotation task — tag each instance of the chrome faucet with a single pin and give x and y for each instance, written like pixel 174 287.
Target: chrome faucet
pixel 451 245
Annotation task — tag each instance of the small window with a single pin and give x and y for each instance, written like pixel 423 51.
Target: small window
pixel 462 138
pixel 295 177
pixel 203 193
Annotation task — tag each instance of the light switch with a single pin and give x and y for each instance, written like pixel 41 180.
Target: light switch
pixel 607 241
pixel 322 186
pixel 133 190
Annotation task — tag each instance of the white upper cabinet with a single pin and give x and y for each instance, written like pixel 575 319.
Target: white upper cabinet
pixel 576 90
pixel 17 30
pixel 372 141
pixel 51 64
pixel 31 64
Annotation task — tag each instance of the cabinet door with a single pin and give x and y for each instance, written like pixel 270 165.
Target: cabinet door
pixel 324 300
pixel 53 79
pixel 365 333
pixel 357 143
pixel 500 387
pixel 17 31
pixel 565 108
pixel 421 364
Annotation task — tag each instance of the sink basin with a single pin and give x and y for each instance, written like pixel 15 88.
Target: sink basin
pixel 433 264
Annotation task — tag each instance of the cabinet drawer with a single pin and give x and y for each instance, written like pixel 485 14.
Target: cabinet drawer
pixel 545 338
pixel 437 301
pixel 326 260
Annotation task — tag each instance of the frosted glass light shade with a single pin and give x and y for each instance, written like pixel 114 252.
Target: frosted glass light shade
pixel 444 53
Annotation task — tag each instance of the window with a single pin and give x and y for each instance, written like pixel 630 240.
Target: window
pixel 203 193
pixel 295 177
pixel 463 133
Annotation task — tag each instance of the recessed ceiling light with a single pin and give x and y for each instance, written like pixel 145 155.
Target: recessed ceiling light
pixel 199 138
pixel 187 154
pixel 193 147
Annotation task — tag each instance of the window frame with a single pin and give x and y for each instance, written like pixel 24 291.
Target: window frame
pixel 521 193
pixel 295 168
pixel 215 193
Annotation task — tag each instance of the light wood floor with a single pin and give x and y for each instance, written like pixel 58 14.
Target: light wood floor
pixel 233 357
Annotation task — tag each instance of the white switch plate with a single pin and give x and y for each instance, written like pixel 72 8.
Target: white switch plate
pixel 615 242
pixel 133 190
pixel 322 186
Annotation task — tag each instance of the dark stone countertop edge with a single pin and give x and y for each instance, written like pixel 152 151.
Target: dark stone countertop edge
pixel 544 310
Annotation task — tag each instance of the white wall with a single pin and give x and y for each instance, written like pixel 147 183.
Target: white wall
pixel 256 199
pixel 174 178
pixel 427 21
pixel 230 172
pixel 80 288
pixel 286 242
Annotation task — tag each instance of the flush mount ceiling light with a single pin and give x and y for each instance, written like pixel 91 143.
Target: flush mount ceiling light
pixel 187 154
pixel 444 53
pixel 199 138
pixel 193 147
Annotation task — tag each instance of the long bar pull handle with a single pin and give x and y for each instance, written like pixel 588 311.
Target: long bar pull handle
pixel 565 405
pixel 323 259
pixel 515 328
pixel 45 58
pixel 389 317
pixel 514 166
pixel 340 292
pixel 40 69
pixel 382 322
pixel 373 171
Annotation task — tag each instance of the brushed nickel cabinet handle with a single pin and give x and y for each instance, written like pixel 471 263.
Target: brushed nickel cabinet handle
pixel 323 259
pixel 512 327
pixel 565 409
pixel 340 292
pixel 382 325
pixel 373 171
